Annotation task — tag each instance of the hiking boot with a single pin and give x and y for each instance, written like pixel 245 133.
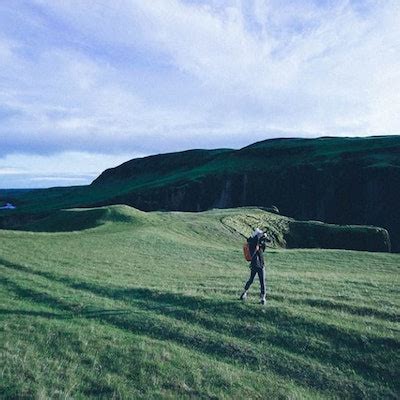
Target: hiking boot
pixel 243 296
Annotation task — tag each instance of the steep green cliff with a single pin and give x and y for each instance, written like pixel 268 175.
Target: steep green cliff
pixel 335 180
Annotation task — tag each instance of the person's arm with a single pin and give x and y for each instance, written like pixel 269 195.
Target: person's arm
pixel 254 247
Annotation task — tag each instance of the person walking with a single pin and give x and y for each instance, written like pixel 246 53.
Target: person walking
pixel 257 244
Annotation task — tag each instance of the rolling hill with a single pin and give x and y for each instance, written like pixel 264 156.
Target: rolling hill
pixel 283 232
pixel 119 303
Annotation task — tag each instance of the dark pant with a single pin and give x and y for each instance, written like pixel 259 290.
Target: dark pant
pixel 261 277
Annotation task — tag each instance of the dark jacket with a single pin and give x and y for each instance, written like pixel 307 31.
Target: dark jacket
pixel 257 261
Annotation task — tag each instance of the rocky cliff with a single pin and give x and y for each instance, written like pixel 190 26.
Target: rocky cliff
pixel 335 180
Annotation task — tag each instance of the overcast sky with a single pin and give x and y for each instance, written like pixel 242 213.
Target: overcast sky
pixel 88 84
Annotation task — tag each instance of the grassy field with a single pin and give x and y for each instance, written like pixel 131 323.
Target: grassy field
pixel 144 305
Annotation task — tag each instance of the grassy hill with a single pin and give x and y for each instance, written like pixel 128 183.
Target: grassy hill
pixel 284 232
pixel 144 305
pixel 336 180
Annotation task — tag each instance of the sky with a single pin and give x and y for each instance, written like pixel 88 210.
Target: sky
pixel 86 85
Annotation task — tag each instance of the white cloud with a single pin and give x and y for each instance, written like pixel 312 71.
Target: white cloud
pixel 58 179
pixel 317 60
pixel 68 162
pixel 11 171
pixel 68 168
pixel 321 78
pixel 153 76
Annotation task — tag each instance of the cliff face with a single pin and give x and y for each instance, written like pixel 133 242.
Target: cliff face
pixel 360 197
pixel 335 180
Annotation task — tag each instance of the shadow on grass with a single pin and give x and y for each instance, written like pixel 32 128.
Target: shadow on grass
pixel 327 304
pixel 118 293
pixel 70 309
pixel 30 313
pixel 288 334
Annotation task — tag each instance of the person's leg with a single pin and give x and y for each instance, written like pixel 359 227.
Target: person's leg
pixel 250 281
pixel 248 284
pixel 261 277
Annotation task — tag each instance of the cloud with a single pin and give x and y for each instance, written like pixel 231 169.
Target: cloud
pixel 61 169
pixel 11 171
pixel 57 178
pixel 155 76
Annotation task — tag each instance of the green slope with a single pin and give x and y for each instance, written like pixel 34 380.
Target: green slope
pixel 144 305
pixel 337 180
pixel 78 219
pixel 284 232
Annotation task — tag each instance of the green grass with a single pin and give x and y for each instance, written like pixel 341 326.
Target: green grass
pixel 144 305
